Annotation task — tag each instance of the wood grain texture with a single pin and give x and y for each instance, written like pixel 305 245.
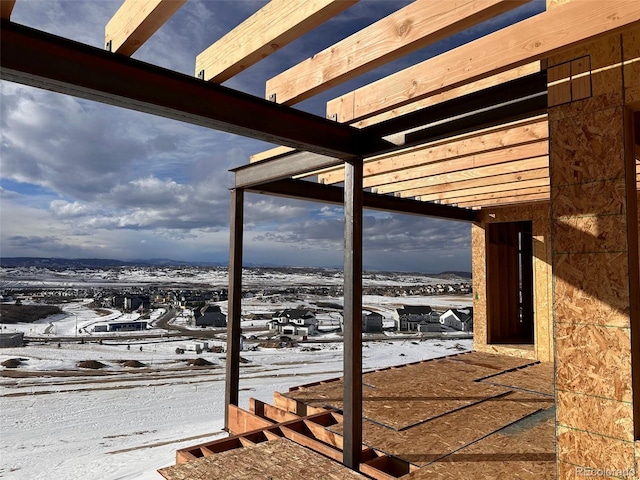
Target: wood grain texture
pixel 275 25
pixel 532 39
pixel 594 360
pixel 471 173
pixel 495 141
pixel 407 30
pixel 281 459
pixel 432 185
pixel 135 22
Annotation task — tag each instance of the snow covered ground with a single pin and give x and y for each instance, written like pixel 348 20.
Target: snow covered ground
pixel 60 421
pixel 126 423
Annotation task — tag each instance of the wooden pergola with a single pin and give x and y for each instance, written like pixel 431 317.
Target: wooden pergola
pixel 449 137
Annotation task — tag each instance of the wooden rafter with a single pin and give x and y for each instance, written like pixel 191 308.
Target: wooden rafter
pixel 529 40
pixel 452 192
pixel 479 172
pixel 495 157
pixel 135 22
pixel 457 92
pixel 472 199
pixel 520 133
pixel 534 197
pixel 460 180
pixel 409 29
pixel 6 7
pixel 276 24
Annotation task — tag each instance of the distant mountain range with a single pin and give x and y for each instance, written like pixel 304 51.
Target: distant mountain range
pixel 76 263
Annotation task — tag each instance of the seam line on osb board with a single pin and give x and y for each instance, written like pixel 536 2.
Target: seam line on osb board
pixel 593 396
pixel 632 442
pixel 627 327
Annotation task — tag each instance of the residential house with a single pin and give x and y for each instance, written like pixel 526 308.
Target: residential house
pixel 371 322
pixel 210 316
pixel 294 322
pixel 411 316
pixel 458 319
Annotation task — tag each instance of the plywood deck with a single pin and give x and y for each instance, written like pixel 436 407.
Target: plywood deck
pixel 471 415
pixel 279 459
pixel 439 412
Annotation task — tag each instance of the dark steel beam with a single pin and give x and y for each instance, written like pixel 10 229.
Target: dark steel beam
pixel 496 115
pixel 317 192
pixel 509 91
pixel 352 394
pixel 42 60
pixel 232 380
pixel 281 167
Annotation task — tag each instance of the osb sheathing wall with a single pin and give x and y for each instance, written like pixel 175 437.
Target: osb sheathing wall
pixel 593 262
pixel 538 213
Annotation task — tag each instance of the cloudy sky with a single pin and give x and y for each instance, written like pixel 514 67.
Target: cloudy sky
pixel 80 179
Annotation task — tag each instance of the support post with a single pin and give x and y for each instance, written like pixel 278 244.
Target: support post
pixel 235 302
pixel 352 396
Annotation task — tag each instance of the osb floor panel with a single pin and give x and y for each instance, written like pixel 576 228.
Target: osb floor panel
pixel 425 412
pixel 279 459
pixel 525 450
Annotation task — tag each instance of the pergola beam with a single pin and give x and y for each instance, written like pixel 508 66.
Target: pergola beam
pixel 476 200
pixel 532 39
pixel 407 30
pixel 494 157
pixel 461 180
pixel 42 60
pixel 472 173
pixel 303 190
pixel 510 136
pixel 453 195
pixel 135 22
pixel 282 167
pixel 519 199
pixel 275 25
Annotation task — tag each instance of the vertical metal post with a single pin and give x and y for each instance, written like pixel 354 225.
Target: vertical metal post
pixel 352 409
pixel 235 302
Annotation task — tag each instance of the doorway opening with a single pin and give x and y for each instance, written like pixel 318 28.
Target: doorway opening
pixel 510 283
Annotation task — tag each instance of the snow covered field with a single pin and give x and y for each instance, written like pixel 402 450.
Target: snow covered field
pixel 123 423
pixel 60 421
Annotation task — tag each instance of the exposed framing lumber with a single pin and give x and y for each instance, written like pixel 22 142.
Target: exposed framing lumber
pixel 459 180
pixel 536 197
pixel 506 77
pixel 521 133
pixel 275 25
pixel 269 154
pixel 6 7
pixel 409 29
pixel 473 87
pixel 42 60
pixel 316 192
pixel 494 157
pixel 504 188
pixel 475 199
pixel 529 40
pixel 480 172
pixel 135 22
